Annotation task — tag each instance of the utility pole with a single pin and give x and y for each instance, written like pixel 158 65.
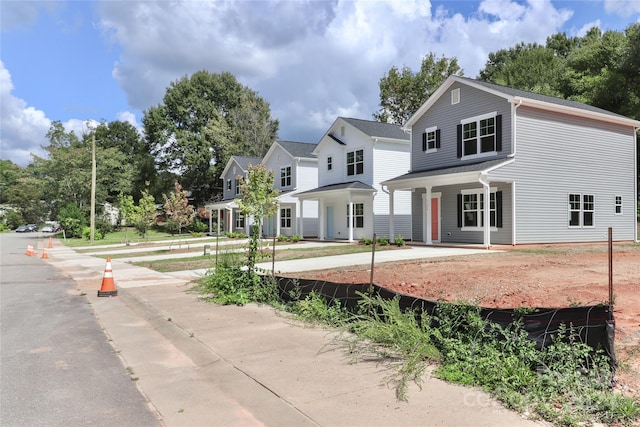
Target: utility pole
pixel 93 187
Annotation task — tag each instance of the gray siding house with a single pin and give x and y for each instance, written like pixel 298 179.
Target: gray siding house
pixel 495 165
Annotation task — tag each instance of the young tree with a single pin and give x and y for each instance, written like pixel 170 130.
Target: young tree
pixel 179 212
pixel 258 199
pixel 142 216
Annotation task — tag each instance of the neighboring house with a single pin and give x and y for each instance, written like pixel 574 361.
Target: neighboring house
pixel 230 218
pixel 552 170
pixel 295 169
pixel 354 157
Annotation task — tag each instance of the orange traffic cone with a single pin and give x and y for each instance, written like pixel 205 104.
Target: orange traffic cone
pixel 108 285
pixel 29 249
pixel 44 254
pixel 50 243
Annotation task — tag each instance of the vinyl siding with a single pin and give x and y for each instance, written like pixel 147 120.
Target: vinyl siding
pixel 391 160
pixel 446 117
pixel 557 155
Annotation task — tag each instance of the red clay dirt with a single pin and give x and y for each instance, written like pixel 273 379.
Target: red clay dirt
pixel 551 276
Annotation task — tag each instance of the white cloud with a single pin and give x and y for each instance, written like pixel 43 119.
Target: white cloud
pixel 23 127
pixel 624 8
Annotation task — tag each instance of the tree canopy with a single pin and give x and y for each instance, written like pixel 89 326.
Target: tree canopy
pixel 202 121
pixel 402 92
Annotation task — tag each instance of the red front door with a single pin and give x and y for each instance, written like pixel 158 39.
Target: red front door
pixel 435 220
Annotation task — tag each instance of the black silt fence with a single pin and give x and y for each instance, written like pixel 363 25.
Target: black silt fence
pixel 594 324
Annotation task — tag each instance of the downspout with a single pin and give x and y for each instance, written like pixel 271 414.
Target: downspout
pixel 484 180
pixel 513 184
pixel 513 128
pixel 635 187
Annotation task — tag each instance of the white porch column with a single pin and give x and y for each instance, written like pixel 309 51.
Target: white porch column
pixel 487 216
pixel 300 225
pixel 210 221
pixel 350 215
pixel 219 210
pixel 391 219
pixel 278 218
pixel 321 219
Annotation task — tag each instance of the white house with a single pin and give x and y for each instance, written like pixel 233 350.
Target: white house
pixel 354 157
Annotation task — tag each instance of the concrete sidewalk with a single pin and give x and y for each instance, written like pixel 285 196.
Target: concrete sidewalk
pixel 201 364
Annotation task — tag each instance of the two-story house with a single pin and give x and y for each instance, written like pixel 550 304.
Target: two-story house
pixel 354 157
pixel 230 218
pixel 295 169
pixel 491 164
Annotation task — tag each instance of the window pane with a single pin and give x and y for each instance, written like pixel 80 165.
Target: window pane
pixel 588 219
pixel 350 170
pixel 574 219
pixel 359 168
pixel 359 155
pixel 488 144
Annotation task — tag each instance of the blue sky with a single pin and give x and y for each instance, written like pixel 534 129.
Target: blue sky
pixel 313 61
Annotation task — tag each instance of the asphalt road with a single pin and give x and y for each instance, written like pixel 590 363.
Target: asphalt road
pixel 57 365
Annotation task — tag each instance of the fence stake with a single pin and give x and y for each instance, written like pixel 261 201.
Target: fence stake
pixel 373 257
pixel 610 273
pixel 273 256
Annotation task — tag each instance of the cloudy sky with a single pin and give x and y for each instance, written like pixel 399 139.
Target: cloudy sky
pixel 312 60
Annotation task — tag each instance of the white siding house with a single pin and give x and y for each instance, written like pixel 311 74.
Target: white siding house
pixel 295 169
pixel 354 157
pixel 552 170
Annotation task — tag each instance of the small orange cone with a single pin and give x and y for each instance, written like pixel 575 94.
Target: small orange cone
pixel 29 249
pixel 50 243
pixel 44 254
pixel 108 285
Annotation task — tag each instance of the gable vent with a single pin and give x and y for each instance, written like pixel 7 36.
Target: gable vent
pixel 455 96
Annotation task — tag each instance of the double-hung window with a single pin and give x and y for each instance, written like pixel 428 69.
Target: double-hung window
pixel 471 209
pixel 239 219
pixel 618 206
pixel 355 162
pixel 358 215
pixel 237 182
pixel 329 163
pixel 431 139
pixel 285 176
pixel 285 217
pixel 480 136
pixel 229 184
pixel 582 210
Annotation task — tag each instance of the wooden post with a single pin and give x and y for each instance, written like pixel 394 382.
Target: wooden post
pixel 610 273
pixel 373 257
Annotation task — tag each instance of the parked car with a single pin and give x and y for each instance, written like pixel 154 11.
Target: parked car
pixel 32 227
pixel 23 229
pixel 47 229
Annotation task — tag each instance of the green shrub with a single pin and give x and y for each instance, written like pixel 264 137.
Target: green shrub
pixel 86 234
pixel 382 241
pixel 366 241
pixel 296 238
pixel 398 241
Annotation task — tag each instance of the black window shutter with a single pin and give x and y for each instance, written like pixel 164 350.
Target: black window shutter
pixel 499 209
pixel 437 138
pixel 459 210
pixel 459 141
pixel 424 141
pixel 499 132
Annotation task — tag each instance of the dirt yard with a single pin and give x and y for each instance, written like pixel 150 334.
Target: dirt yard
pixel 530 276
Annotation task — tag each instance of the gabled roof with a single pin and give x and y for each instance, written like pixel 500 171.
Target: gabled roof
pixel 300 150
pixel 352 185
pixel 241 161
pixel 378 129
pixel 521 97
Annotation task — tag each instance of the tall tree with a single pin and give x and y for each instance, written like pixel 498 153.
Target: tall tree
pixel 202 119
pixel 402 92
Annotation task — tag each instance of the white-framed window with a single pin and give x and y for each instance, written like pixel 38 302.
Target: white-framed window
pixel 229 184
pixel 618 206
pixel 285 176
pixel 479 136
pixel 471 209
pixel 239 219
pixel 285 217
pixel 431 139
pixel 237 182
pixel 582 210
pixel 358 215
pixel 355 162
pixel 329 163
